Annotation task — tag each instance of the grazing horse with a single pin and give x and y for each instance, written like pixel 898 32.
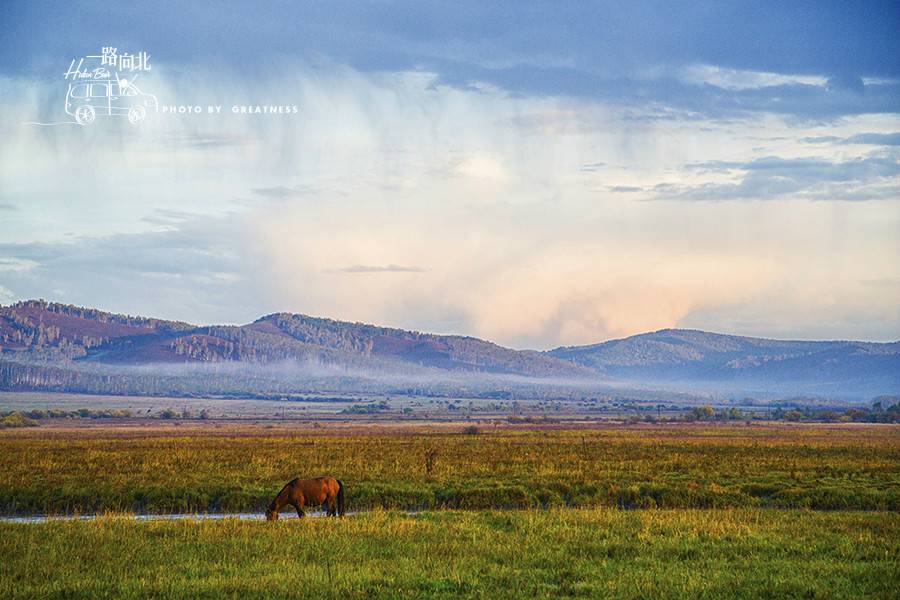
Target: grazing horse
pixel 302 493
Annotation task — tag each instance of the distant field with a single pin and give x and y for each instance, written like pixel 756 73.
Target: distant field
pixel 520 554
pixel 145 406
pixel 239 468
pixel 326 406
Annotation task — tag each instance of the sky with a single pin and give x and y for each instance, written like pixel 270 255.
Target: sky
pixel 537 174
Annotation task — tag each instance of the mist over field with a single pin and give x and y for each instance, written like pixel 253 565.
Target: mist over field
pixel 67 348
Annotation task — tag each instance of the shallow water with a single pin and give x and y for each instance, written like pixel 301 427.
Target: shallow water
pixel 171 517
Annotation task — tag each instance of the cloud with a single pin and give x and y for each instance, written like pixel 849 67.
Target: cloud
pixel 765 37
pixel 737 79
pixel 183 272
pixel 820 139
pixel 8 206
pixel 884 282
pixel 847 81
pixel 879 139
pixel 483 167
pixel 281 192
pixel 380 269
pixel 520 208
pixel 207 141
pixel 553 279
pixel 875 139
pixel 168 217
pixel 818 62
pixel 867 178
pixel 16 264
pixel 679 98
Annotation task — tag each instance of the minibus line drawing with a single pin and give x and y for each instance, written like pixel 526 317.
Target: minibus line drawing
pixel 86 100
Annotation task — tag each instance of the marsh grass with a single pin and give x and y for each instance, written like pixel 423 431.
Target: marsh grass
pixel 235 470
pixel 745 553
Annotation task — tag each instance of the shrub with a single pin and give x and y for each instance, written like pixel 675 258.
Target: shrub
pixel 17 419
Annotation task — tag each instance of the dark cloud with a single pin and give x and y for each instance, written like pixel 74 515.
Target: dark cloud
pixel 670 97
pixel 841 40
pixel 598 51
pixel 847 81
pixel 625 188
pixel 8 206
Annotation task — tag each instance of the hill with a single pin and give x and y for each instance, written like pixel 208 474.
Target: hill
pixel 46 345
pixel 49 331
pixel 701 359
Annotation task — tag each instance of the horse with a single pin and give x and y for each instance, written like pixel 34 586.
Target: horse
pixel 302 493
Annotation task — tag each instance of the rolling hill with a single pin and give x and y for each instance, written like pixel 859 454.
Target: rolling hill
pixel 701 359
pixel 51 331
pixel 47 345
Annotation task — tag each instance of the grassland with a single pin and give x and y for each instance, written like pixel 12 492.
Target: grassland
pixel 747 553
pixel 710 531
pixel 176 469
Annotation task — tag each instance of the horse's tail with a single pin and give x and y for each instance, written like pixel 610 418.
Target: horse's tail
pixel 340 497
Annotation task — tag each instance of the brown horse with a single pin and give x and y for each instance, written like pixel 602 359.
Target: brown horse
pixel 302 493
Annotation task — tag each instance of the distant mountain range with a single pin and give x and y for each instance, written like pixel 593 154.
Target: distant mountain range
pixel 717 361
pixel 38 332
pixel 38 329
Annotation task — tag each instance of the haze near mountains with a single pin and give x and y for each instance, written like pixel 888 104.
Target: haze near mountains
pixel 42 335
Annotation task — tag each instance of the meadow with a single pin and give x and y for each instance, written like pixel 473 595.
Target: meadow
pixel 600 510
pixel 223 468
pixel 590 553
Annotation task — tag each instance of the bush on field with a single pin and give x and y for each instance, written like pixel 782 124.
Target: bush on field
pixel 17 419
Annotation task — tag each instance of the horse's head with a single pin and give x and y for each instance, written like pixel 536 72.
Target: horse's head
pixel 271 515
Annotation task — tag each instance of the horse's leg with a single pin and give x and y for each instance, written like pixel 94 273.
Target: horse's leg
pixel 299 507
pixel 331 510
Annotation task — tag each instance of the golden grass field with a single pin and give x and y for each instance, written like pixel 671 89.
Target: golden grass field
pixel 238 468
pixel 662 511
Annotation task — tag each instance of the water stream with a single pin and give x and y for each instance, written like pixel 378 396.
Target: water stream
pixel 257 516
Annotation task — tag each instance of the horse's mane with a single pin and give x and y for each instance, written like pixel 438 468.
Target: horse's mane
pixel 272 505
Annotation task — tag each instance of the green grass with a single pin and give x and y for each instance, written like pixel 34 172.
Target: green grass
pixel 590 553
pixel 595 551
pixel 834 467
